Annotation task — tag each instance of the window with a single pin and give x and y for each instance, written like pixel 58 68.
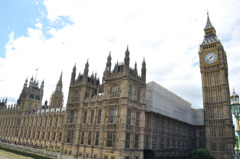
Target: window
pixel 136 141
pixel 129 117
pixel 72 118
pixel 41 121
pixel 76 94
pixel 105 157
pixel 82 138
pixel 60 137
pixel 18 122
pixel 113 115
pixel 46 122
pixel 70 136
pixel 56 122
pixel 138 95
pixel 95 156
pixel 130 92
pixel 54 134
pixel 92 116
pixel 43 135
pixel 126 157
pixel 97 138
pixel 62 121
pixel 137 118
pixel 127 141
pixel 38 133
pixel 50 121
pixel 89 138
pixel 111 137
pixel 115 90
pixel 48 135
pixel 85 117
pixel 99 116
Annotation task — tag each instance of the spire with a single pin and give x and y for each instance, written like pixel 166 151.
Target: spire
pixel 60 80
pixel 59 84
pixel 108 64
pixel 144 70
pixel 126 61
pixel 26 82
pixel 42 85
pixel 86 68
pixel 209 24
pixel 31 79
pixel 127 52
pixel 73 74
pixel 109 56
pixel 135 69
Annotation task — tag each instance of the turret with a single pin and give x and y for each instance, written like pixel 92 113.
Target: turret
pixel 135 69
pixel 42 85
pixel 86 70
pixel 109 63
pixel 57 96
pixel 144 70
pixel 73 74
pixel 26 83
pixel 108 67
pixel 59 84
pixel 126 61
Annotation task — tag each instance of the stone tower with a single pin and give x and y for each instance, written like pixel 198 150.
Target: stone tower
pixel 219 129
pixel 106 120
pixel 31 97
pixel 57 96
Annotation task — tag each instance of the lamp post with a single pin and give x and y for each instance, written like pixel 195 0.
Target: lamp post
pixel 236 112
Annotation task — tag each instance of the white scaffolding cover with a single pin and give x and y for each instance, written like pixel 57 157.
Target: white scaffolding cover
pixel 162 101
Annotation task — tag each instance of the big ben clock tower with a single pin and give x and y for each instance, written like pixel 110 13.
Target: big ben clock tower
pixel 219 130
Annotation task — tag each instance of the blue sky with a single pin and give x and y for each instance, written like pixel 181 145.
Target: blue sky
pixel 53 35
pixel 17 16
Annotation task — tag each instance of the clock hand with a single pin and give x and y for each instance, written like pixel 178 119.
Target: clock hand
pixel 210 57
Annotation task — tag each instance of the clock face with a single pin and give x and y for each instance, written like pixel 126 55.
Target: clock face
pixel 210 57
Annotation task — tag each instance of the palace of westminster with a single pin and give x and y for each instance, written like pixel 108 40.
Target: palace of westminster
pixel 124 117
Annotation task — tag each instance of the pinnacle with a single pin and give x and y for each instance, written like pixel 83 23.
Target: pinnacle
pixel 209 24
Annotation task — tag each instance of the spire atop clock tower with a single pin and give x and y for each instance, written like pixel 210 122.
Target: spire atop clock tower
pixel 210 33
pixel 209 24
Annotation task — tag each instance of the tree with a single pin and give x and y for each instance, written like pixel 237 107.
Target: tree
pixel 200 154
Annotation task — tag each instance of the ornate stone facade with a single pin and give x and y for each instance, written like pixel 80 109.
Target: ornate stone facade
pixel 100 120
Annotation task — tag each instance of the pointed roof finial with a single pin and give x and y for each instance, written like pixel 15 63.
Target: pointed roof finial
pixel 87 64
pixel 127 52
pixel 61 76
pixel 109 56
pixel 209 24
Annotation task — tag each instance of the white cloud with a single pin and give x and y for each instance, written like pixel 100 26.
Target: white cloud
pixel 166 33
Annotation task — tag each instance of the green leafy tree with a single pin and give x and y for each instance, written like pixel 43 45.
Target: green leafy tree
pixel 200 154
